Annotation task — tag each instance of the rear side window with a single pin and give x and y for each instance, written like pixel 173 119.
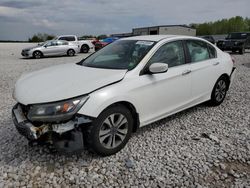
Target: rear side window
pixel 67 38
pixel 212 51
pixel 198 50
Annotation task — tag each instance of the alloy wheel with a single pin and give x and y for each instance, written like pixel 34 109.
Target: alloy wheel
pixel 113 131
pixel 37 55
pixel 220 90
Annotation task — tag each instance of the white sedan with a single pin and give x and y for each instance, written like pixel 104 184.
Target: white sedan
pixel 51 48
pixel 130 83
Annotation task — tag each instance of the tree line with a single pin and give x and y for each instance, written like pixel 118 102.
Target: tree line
pixel 223 26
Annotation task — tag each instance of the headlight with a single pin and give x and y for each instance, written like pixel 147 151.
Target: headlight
pixel 55 112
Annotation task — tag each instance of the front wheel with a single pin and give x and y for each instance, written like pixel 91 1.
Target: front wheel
pixel 110 132
pixel 219 91
pixel 37 54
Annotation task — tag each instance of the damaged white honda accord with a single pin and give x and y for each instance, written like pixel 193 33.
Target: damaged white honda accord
pixel 130 83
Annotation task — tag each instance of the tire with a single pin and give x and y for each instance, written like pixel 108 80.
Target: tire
pixel 37 54
pixel 219 91
pixel 242 50
pixel 84 48
pixel 234 51
pixel 70 52
pixel 110 132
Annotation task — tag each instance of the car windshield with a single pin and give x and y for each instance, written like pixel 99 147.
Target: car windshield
pixel 121 54
pixel 237 36
pixel 41 44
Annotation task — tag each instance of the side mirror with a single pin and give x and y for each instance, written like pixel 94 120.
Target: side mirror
pixel 158 68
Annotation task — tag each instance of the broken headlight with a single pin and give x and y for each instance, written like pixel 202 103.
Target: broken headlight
pixel 55 112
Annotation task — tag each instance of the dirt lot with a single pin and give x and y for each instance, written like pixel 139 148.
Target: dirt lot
pixel 200 147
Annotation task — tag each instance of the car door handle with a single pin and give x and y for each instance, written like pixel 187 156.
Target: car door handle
pixel 186 72
pixel 216 63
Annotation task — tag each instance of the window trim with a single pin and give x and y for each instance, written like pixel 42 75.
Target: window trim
pixel 144 70
pixel 210 53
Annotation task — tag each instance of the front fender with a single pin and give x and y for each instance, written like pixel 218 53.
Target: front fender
pixel 99 101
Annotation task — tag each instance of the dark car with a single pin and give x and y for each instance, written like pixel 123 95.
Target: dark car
pixel 234 42
pixel 104 42
pixel 209 38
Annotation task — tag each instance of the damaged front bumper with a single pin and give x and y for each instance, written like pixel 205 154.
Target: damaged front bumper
pixel 60 134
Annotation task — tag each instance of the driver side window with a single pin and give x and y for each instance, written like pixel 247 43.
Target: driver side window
pixel 171 53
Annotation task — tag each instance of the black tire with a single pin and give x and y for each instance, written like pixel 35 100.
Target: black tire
pixel 234 51
pixel 37 54
pixel 71 52
pixel 84 48
pixel 219 91
pixel 100 136
pixel 242 50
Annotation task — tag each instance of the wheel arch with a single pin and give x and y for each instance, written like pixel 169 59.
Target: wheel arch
pixel 227 77
pixel 85 44
pixel 131 108
pixel 37 51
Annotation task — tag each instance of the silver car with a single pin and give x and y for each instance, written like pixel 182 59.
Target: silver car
pixel 51 48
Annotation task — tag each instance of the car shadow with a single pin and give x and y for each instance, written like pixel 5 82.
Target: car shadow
pixel 47 57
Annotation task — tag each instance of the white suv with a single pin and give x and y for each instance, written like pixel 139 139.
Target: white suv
pixel 130 83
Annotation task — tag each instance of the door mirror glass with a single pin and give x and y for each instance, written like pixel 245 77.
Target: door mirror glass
pixel 158 68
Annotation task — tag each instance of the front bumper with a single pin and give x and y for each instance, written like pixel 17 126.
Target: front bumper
pixel 26 54
pixel 63 134
pixel 32 132
pixel 229 46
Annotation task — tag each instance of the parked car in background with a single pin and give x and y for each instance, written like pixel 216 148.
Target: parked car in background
pixel 209 38
pixel 104 42
pixel 130 83
pixel 84 45
pixel 51 48
pixel 238 41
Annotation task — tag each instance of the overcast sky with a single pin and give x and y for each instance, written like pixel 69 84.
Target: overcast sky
pixel 19 20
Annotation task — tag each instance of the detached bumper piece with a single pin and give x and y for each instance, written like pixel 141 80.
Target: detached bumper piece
pixel 65 137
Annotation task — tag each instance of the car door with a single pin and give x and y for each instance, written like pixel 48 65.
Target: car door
pixel 61 48
pixel 162 94
pixel 205 67
pixel 50 48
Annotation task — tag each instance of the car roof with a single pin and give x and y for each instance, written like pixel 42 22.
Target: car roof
pixel 156 38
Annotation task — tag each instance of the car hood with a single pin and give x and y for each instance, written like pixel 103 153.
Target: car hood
pixel 30 48
pixel 62 82
pixel 233 40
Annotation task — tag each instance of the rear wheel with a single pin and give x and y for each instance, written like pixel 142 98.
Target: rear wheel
pixel 84 48
pixel 242 50
pixel 110 132
pixel 219 91
pixel 71 52
pixel 37 54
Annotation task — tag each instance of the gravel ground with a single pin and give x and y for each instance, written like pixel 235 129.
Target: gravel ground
pixel 200 147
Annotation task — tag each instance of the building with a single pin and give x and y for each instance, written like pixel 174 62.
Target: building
pixel 165 30
pixel 121 35
pixel 159 30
